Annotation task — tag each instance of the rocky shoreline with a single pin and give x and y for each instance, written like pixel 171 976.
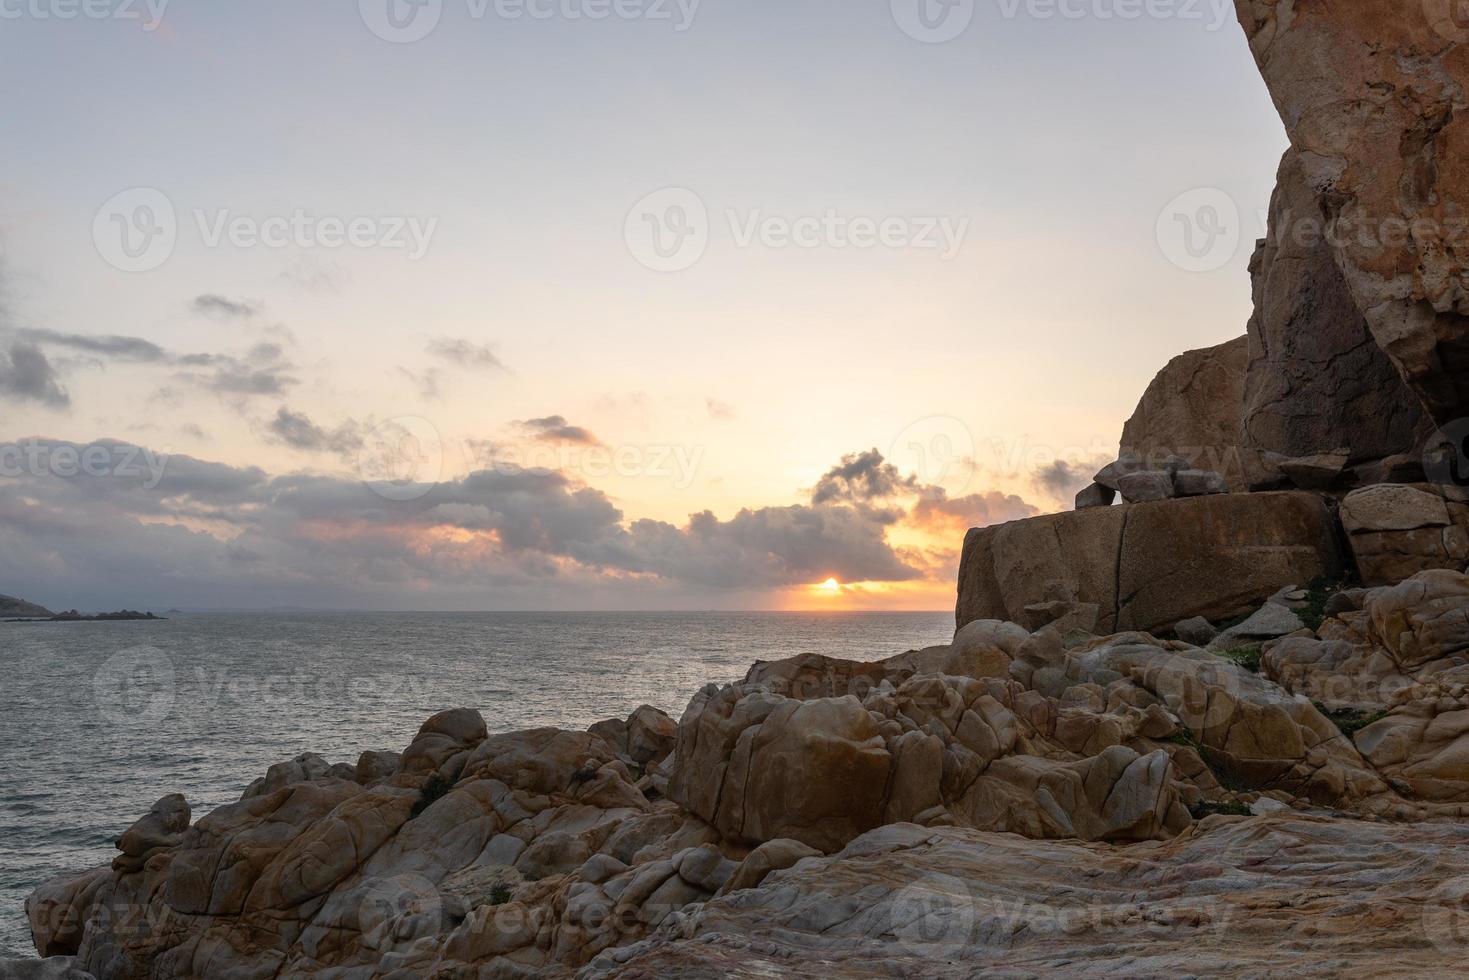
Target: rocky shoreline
pixel 1015 801
pixel 1220 730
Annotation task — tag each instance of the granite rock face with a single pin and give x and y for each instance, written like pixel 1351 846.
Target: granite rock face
pixel 1396 531
pixel 1191 413
pixel 1372 94
pixel 1316 380
pixel 1284 895
pixel 1149 565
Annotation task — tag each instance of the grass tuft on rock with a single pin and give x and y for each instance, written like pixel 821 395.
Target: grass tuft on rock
pixel 1349 721
pixel 1246 655
pixel 1207 808
pixel 434 790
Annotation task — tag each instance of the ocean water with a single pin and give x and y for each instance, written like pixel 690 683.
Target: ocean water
pixel 98 720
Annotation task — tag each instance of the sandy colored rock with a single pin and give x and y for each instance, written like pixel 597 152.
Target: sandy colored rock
pixel 1148 566
pixel 1316 379
pixel 1191 410
pixel 1371 94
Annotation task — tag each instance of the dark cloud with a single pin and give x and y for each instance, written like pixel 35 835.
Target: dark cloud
pixel 112 347
pixel 937 513
pixel 465 353
pixel 327 540
pixel 212 304
pixel 1062 479
pixel 862 478
pixel 295 429
pixel 555 428
pixel 26 375
pixel 263 370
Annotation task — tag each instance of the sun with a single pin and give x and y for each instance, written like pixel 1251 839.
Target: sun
pixel 830 587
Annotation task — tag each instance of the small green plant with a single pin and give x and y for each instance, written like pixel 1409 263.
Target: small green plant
pixel 1349 721
pixel 1184 737
pixel 500 894
pixel 1246 655
pixel 433 791
pixel 1208 808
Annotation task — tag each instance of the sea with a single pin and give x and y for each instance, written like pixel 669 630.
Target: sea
pixel 99 720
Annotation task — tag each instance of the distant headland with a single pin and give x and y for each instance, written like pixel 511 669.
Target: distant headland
pixel 15 610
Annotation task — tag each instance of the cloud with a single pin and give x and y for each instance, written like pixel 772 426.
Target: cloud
pixel 430 383
pixel 943 516
pixel 211 304
pixel 465 353
pixel 862 478
pixel 26 375
pixel 1062 479
pixel 555 428
pixel 295 429
pixel 263 370
pixel 113 347
pixel 210 534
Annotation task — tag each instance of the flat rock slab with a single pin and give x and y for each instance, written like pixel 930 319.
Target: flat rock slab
pixel 1279 895
pixel 1149 565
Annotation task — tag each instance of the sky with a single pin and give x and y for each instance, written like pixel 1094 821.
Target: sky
pixel 583 304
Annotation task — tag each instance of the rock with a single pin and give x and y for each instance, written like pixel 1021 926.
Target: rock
pixel 925 902
pixel 1191 411
pixel 759 767
pixel 1198 483
pixel 53 968
pixel 1316 380
pixel 1384 148
pixel 1270 622
pixel 443 744
pixel 1321 471
pixel 376 767
pixel 650 735
pixel 1096 495
pixel 1146 485
pixel 1197 631
pixel 1065 617
pixel 163 826
pixel 1147 566
pixel 774 855
pixel 1397 531
pixel 11 607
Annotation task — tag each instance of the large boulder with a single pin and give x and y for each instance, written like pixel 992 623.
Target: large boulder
pixel 1372 95
pixel 1191 412
pixel 1316 381
pixel 1397 531
pixel 1148 566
